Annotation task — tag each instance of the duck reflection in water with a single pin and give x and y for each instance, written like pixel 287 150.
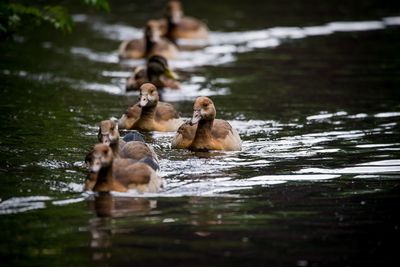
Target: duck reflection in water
pixel 107 208
pixel 106 205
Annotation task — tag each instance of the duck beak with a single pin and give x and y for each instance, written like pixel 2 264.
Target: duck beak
pixel 170 74
pixel 144 100
pixel 95 167
pixel 176 16
pixel 105 139
pixel 196 117
pixel 155 37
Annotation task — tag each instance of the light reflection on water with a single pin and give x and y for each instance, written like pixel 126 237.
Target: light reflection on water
pixel 221 49
pixel 216 173
pixel 316 109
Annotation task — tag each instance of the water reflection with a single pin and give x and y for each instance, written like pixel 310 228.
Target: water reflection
pixel 301 150
pixel 107 205
pixel 107 209
pixel 222 49
pixel 315 105
pixel 23 204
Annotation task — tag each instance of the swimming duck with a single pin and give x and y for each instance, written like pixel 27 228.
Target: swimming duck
pixel 204 132
pixel 154 114
pixel 156 72
pixel 151 44
pixel 131 146
pixel 116 174
pixel 179 26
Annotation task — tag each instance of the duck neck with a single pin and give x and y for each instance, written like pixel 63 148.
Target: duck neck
pixel 105 175
pixel 147 116
pixel 203 130
pixel 171 26
pixel 149 44
pixel 148 112
pixel 171 23
pixel 115 149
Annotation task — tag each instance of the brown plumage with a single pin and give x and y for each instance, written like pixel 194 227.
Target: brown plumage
pixel 204 132
pixel 154 115
pixel 156 72
pixel 178 26
pixel 137 150
pixel 116 174
pixel 151 44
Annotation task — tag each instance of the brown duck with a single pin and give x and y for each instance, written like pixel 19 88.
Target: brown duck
pixel 156 72
pixel 151 44
pixel 149 114
pixel 178 26
pixel 204 132
pixel 116 174
pixel 131 146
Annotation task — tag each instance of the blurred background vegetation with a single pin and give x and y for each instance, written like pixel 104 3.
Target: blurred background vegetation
pixel 16 14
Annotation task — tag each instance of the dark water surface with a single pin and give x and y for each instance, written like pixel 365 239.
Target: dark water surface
pixel 313 89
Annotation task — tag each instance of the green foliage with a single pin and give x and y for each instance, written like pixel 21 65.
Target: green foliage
pixel 15 15
pixel 100 4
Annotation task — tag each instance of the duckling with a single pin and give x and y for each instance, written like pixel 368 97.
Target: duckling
pixel 179 26
pixel 116 174
pixel 204 132
pixel 135 148
pixel 187 131
pixel 156 72
pixel 151 44
pixel 91 177
pixel 154 116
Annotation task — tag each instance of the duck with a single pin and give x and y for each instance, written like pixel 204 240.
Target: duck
pixel 118 174
pixel 204 132
pixel 152 43
pixel 178 26
pixel 150 114
pixel 131 146
pixel 156 72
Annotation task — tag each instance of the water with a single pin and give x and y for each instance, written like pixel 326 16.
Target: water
pixel 312 90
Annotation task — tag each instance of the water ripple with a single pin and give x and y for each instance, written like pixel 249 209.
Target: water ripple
pixel 23 204
pixel 221 49
pixel 384 166
pixel 222 46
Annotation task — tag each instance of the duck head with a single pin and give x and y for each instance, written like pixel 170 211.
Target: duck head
pixel 203 110
pixel 101 156
pixel 153 31
pixel 148 95
pixel 108 132
pixel 157 66
pixel 174 12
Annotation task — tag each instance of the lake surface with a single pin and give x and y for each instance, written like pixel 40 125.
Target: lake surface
pixel 312 88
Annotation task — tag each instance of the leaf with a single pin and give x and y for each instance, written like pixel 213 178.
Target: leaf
pixel 14 15
pixel 100 4
pixel 59 17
